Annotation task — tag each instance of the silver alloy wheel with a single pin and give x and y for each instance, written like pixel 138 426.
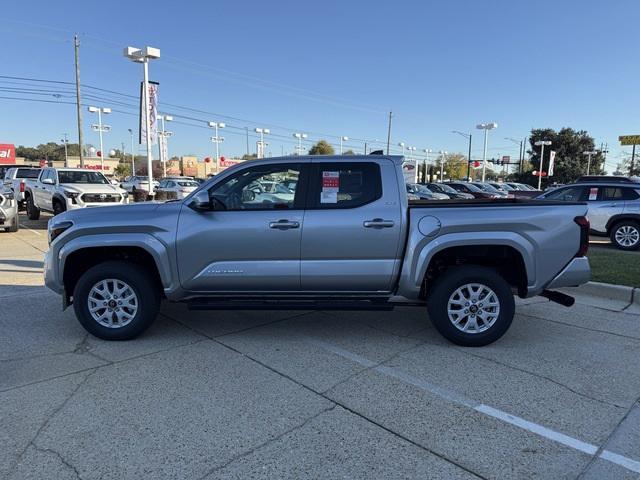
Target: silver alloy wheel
pixel 627 236
pixel 473 308
pixel 112 303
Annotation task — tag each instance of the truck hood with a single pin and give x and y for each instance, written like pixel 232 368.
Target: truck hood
pixel 91 188
pixel 119 213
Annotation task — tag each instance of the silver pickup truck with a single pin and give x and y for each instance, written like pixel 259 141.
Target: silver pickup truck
pixel 342 236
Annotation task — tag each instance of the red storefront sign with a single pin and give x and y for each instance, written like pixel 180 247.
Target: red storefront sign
pixel 7 154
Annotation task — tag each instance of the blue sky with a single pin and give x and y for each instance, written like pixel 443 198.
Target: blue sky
pixel 332 68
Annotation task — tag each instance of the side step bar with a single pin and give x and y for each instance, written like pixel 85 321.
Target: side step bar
pixel 559 297
pixel 288 304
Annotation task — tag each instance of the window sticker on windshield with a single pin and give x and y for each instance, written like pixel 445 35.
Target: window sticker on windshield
pixel 328 197
pixel 593 193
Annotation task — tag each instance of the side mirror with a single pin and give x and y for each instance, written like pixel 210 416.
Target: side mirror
pixel 201 202
pixel 48 181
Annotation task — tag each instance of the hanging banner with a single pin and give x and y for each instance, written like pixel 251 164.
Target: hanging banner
pixel 153 114
pixel 552 162
pixel 162 141
pixel 410 171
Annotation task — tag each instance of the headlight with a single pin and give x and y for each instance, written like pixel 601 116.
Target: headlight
pixel 57 229
pixel 69 194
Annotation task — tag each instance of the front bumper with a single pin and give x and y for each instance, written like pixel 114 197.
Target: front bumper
pixel 576 273
pixel 8 213
pixel 50 273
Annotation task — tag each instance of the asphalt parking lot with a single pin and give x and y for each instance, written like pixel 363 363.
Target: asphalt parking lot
pixel 310 394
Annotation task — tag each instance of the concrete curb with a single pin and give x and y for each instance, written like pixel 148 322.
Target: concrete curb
pixel 607 295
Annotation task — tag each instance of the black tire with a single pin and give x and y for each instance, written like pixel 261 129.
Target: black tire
pixel 632 230
pixel 58 207
pixel 147 292
pixel 33 212
pixel 15 226
pixel 444 288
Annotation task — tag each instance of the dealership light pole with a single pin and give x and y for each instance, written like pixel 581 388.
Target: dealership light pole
pixel 163 139
pixel 411 150
pixel 541 143
pixel 133 158
pixel 341 140
pixel 300 137
pixel 442 160
pixel 143 55
pixel 262 132
pixel 426 151
pixel 99 127
pixel 468 136
pixel 217 139
pixel 589 153
pixel 486 127
pixel 65 141
pixel 401 144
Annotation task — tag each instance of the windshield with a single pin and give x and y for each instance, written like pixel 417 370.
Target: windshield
pixel 188 183
pixel 28 173
pixel 439 187
pixel 503 186
pixel 486 187
pixel 70 176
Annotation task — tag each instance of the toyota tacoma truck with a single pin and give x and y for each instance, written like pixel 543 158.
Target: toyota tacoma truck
pixel 347 238
pixel 57 190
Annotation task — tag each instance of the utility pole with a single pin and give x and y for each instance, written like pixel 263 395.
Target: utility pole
pixel 633 160
pixel 388 135
pixel 65 140
pixel 76 47
pixel 247 132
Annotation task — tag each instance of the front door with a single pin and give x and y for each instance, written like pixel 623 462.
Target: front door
pixel 351 237
pixel 250 241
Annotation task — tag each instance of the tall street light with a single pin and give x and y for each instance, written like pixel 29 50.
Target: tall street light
pixel 99 127
pixel 217 139
pixel 443 157
pixel 341 140
pixel 65 141
pixel 411 150
pixel 143 55
pixel 262 132
pixel 486 127
pixel 401 144
pixel 589 153
pixel 163 143
pixel 300 137
pixel 541 143
pixel 521 151
pixel 468 136
pixel 426 151
pixel 133 158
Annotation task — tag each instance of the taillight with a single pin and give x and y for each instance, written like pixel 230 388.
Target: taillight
pixel 22 186
pixel 584 224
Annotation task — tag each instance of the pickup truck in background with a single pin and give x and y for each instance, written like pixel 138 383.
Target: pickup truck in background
pixel 347 238
pixel 15 180
pixel 57 190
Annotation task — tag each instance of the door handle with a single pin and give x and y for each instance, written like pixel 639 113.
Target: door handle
pixel 284 225
pixel 378 223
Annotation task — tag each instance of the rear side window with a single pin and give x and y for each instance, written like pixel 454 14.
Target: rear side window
pixel 611 193
pixel 27 173
pixel 345 185
pixel 630 194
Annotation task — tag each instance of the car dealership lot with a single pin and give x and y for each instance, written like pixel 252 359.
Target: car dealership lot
pixel 310 394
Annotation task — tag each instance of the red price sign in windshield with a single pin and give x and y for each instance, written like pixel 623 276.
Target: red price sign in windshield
pixel 330 180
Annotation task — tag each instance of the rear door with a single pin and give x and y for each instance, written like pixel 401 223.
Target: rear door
pixel 352 227
pixel 604 203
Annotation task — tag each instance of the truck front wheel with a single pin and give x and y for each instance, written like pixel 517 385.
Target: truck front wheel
pixel 471 305
pixel 114 300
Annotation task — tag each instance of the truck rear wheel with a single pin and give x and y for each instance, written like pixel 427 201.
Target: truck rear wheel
pixel 471 305
pixel 114 300
pixel 33 212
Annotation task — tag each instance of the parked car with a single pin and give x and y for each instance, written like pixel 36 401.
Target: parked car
pixel 488 188
pixel 57 190
pixel 471 189
pixel 138 182
pixel 522 190
pixel 183 186
pixel 14 180
pixel 450 192
pixel 426 189
pixel 614 208
pixel 8 210
pixel 424 193
pixel 347 239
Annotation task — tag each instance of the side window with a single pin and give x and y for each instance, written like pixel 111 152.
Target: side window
pixel 264 187
pixel 610 193
pixel 570 194
pixel 345 185
pixel 630 194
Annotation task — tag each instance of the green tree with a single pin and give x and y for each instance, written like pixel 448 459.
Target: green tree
pixel 250 156
pixel 455 165
pixel 570 162
pixel 122 170
pixel 348 152
pixel 322 148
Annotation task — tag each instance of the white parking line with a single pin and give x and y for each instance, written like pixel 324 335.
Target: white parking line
pixel 27 228
pixel 452 396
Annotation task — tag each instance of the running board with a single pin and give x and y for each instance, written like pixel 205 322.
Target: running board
pixel 289 304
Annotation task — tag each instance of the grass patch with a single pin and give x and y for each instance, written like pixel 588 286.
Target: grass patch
pixel 615 266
